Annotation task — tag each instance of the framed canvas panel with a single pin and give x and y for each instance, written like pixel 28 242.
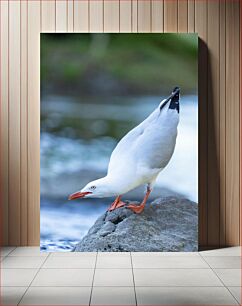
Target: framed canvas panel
pixel 119 142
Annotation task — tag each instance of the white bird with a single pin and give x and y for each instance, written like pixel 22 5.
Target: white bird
pixel 139 157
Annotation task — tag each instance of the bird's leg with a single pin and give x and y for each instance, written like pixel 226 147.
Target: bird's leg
pixel 139 208
pixel 116 204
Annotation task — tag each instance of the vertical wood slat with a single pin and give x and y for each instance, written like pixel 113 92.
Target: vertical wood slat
pixel 96 16
pixel 157 14
pixel 213 117
pixel 134 18
pixel 191 16
pixel 201 29
pixel 4 123
pixel 125 16
pixel 232 122
pixel 33 122
pixel 81 16
pixel 61 15
pixel 144 16
pixel 70 15
pixel 182 16
pixel 24 125
pixel 171 15
pixel 111 16
pixel 14 121
pixel 48 15
pixel 240 125
pixel 222 128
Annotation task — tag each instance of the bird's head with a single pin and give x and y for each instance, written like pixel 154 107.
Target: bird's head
pixel 95 189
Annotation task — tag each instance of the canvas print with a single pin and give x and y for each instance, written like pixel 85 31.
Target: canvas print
pixel 119 142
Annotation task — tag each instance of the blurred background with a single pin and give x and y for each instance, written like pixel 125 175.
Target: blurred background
pixel 94 89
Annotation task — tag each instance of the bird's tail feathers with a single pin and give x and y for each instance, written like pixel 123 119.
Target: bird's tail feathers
pixel 173 99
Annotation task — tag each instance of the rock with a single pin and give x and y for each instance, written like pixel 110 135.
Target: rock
pixel 167 224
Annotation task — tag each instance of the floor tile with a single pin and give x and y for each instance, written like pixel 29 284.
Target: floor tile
pixel 184 296
pixel 12 295
pixel 4 251
pixel 231 262
pixel 231 251
pixel 113 254
pixel 230 277
pixel 57 296
pixel 175 277
pixel 113 277
pixel 72 254
pixel 64 277
pixel 28 251
pixel 175 254
pixel 169 262
pixel 17 277
pixel 113 296
pixel 22 262
pixel 71 263
pixel 236 292
pixel 118 262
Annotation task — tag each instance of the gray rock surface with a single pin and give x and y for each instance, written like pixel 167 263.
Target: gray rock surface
pixel 167 224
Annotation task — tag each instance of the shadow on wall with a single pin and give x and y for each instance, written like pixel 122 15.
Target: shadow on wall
pixel 209 176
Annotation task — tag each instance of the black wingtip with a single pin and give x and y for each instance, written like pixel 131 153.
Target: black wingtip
pixel 175 96
pixel 174 99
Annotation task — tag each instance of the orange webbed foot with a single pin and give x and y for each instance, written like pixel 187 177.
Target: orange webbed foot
pixel 116 204
pixel 136 208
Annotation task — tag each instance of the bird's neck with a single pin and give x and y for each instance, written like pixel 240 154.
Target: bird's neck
pixel 112 184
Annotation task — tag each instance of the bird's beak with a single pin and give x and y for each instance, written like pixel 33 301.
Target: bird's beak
pixel 77 195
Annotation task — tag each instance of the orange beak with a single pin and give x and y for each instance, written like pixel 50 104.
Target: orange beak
pixel 78 195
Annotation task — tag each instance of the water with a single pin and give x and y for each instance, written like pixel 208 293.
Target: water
pixel 76 143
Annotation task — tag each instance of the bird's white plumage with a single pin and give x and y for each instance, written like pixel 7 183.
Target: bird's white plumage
pixel 141 154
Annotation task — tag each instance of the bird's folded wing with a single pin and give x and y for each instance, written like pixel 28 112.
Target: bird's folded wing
pixel 128 142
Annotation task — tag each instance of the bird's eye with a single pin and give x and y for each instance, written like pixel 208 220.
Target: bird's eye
pixel 93 187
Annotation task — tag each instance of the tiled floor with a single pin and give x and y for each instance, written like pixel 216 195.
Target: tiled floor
pixel 29 277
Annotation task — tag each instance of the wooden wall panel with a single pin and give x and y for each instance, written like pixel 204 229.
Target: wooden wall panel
pixel 14 121
pixel 33 50
pixel 144 16
pixel 217 24
pixel 81 15
pixel 125 16
pixel 48 15
pixel 222 127
pixel 61 15
pixel 191 15
pixel 213 123
pixel 157 12
pixel 96 16
pixel 70 15
pixel 171 15
pixel 24 123
pixel 232 122
pixel 134 15
pixel 201 29
pixel 111 16
pixel 4 186
pixel 182 16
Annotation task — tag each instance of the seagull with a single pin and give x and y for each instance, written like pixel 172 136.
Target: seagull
pixel 139 156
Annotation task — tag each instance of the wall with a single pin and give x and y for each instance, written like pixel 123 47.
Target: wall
pixel 217 23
